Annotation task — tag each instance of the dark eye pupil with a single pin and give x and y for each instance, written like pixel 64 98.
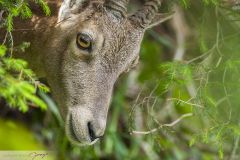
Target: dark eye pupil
pixel 84 42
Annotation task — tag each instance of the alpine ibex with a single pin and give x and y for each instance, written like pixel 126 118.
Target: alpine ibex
pixel 82 50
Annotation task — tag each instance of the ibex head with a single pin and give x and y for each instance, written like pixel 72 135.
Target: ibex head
pixel 93 43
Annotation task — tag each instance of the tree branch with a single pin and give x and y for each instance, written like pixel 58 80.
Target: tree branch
pixel 164 125
pixel 1 15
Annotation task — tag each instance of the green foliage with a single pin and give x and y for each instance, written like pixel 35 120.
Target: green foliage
pixel 187 3
pixel 44 6
pixel 175 73
pixel 26 141
pixel 15 8
pixel 18 84
pixel 206 83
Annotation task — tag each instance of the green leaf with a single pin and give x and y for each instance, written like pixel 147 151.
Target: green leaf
pixel 22 105
pixel 15 64
pixel 192 141
pixel 235 128
pixel 36 101
pixel 185 3
pixel 43 88
pixel 3 50
pixel 220 151
pixel 9 22
pixel 25 11
pixel 24 46
pixel 44 6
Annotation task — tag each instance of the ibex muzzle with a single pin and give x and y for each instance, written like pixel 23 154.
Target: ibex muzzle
pixel 93 42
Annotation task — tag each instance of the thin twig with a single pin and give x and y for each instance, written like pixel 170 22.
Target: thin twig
pixel 186 102
pixel 208 53
pixel 164 125
pixel 1 14
pixel 12 43
pixel 233 154
pixel 5 39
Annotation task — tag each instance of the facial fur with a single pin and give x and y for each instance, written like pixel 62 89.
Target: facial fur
pixel 92 44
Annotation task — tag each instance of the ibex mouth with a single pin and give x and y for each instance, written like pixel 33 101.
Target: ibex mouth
pixel 77 138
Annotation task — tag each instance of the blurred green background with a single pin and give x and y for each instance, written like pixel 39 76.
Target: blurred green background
pixel 180 103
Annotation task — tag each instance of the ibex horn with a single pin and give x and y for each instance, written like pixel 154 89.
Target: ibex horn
pixel 144 16
pixel 117 6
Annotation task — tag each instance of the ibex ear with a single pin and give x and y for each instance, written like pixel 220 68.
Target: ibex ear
pixel 69 7
pixel 160 18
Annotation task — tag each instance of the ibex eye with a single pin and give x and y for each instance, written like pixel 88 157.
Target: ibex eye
pixel 84 41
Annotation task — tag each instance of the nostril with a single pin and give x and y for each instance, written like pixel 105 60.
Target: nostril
pixel 91 132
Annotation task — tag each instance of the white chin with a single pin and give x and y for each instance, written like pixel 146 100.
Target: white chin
pixel 85 143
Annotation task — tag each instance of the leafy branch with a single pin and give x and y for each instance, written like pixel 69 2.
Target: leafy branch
pixel 18 84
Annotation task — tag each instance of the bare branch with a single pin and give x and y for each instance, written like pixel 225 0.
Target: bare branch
pixel 236 145
pixel 164 125
pixel 1 14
